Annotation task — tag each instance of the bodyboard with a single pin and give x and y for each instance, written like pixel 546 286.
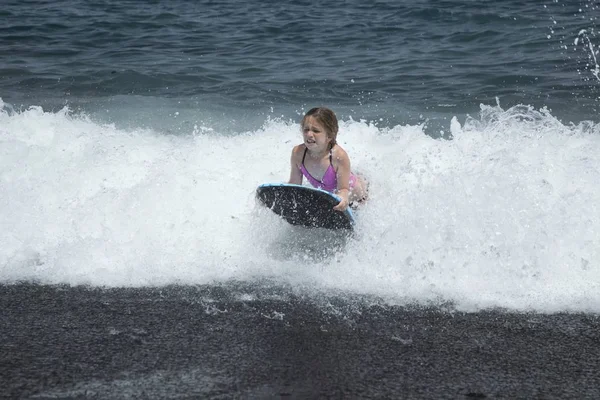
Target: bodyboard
pixel 303 205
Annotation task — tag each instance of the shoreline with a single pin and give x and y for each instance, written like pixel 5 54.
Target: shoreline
pixel 64 342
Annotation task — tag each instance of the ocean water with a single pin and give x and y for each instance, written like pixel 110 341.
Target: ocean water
pixel 134 133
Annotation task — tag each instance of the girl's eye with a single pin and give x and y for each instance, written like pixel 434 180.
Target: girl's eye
pixel 307 129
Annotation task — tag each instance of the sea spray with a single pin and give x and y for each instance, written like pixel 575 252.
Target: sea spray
pixel 503 214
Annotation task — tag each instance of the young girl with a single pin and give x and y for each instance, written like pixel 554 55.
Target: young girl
pixel 323 162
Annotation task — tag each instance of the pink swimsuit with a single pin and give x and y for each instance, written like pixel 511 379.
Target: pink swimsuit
pixel 329 180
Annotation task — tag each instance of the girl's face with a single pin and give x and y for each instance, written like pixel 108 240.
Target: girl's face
pixel 314 135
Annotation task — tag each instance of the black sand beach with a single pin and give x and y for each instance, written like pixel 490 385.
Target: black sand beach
pixel 207 342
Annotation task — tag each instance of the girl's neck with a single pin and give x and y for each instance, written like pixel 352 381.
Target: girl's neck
pixel 320 154
pixel 317 155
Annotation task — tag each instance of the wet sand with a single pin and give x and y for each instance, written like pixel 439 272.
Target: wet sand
pixel 207 342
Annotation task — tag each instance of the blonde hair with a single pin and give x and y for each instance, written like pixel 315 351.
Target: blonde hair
pixel 327 118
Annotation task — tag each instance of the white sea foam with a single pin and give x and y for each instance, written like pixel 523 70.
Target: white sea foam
pixel 506 214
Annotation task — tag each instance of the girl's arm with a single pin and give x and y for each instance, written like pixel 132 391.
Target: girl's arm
pixel 295 173
pixel 343 178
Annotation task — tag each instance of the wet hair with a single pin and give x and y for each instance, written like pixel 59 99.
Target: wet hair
pixel 327 118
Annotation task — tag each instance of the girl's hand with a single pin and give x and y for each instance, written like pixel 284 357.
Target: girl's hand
pixel 343 204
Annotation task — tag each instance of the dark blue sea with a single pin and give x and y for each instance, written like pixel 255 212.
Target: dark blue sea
pixel 133 135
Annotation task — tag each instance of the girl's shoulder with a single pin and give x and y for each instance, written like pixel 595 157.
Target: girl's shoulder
pixel 298 151
pixel 299 147
pixel 338 153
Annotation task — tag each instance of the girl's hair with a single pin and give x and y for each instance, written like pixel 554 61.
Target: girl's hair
pixel 327 118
